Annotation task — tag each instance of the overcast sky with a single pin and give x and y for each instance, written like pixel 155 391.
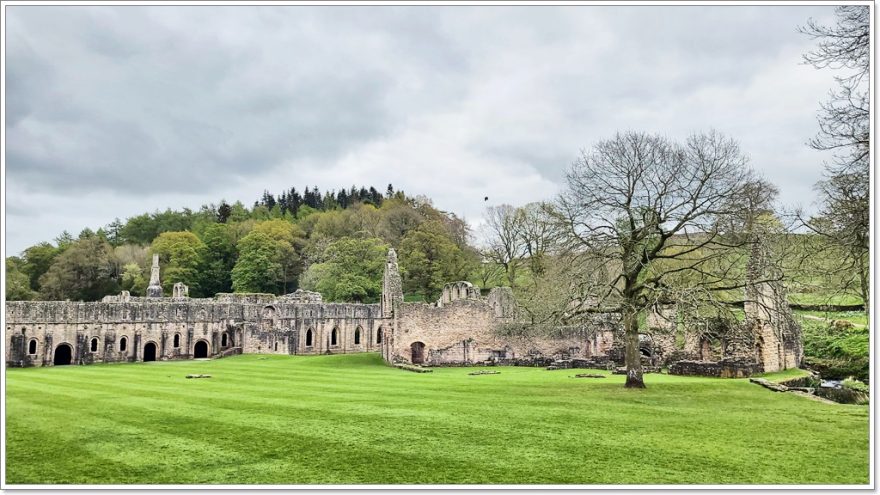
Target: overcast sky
pixel 116 111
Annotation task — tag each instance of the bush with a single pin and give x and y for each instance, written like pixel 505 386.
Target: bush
pixel 855 385
pixel 836 352
pixel 838 369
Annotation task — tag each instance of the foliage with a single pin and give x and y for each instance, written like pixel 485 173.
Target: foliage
pixel 835 351
pixel 351 271
pixel 133 279
pixel 429 259
pixel 83 272
pixel 242 426
pixel 258 268
pixel 17 283
pixel 179 256
pixel 218 259
pixel 37 260
pixel 856 385
pixel 268 258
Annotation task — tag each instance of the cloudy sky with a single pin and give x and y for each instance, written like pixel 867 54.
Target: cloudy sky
pixel 115 111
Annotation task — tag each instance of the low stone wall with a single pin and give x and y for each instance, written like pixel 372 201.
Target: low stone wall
pixel 726 368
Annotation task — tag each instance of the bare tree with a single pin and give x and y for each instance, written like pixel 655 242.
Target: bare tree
pixel 843 220
pixel 652 211
pixel 844 124
pixel 505 244
pixel 539 236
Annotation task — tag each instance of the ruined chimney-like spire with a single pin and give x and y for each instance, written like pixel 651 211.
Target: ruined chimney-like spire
pixel 392 286
pixel 155 288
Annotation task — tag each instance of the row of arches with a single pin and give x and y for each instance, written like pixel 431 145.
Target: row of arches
pixel 93 345
pixel 63 354
pixel 334 336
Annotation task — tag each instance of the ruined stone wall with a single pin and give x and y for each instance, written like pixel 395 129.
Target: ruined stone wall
pixel 126 329
pixel 466 331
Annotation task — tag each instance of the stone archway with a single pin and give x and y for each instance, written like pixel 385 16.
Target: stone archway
pixel 200 350
pixel 417 350
pixel 63 355
pixel 149 352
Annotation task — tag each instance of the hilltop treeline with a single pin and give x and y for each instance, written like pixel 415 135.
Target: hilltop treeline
pixel 334 242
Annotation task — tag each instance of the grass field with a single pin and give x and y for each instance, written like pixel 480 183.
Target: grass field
pixel 350 419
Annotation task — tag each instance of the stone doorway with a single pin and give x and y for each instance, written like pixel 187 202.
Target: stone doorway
pixel 418 352
pixel 200 350
pixel 150 352
pixel 63 355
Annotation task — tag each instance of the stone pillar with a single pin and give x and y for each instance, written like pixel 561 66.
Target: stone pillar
pixel 155 288
pixel 392 286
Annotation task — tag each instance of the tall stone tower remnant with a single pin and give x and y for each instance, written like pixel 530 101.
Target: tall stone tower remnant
pixel 155 287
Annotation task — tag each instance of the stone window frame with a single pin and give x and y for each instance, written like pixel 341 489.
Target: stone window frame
pixel 379 335
pixel 175 342
pixel 123 343
pixel 334 337
pixel 33 343
pixel 358 331
pixel 93 344
pixel 310 336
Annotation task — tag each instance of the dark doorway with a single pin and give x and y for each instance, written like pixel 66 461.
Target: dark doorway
pixel 201 349
pixel 357 336
pixel 63 355
pixel 309 338
pixel 32 347
pixel 224 340
pixel 418 352
pixel 333 337
pixel 379 335
pixel 150 352
pixel 176 340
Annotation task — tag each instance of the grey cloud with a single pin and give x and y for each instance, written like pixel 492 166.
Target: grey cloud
pixel 189 104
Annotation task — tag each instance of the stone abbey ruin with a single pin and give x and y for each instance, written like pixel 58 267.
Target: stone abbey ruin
pixel 462 328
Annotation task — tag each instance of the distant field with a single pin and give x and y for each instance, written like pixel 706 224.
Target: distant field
pixel 350 419
pixel 857 317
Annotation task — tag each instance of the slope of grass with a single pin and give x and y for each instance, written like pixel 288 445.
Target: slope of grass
pixel 350 419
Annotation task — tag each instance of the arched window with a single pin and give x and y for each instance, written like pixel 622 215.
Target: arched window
pixel 224 339
pixel 94 345
pixel 309 338
pixel 123 344
pixel 357 335
pixel 176 340
pixel 32 346
pixel 379 335
pixel 333 337
pixel 276 346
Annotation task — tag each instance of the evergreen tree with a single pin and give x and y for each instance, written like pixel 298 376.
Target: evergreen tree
pixel 114 232
pixel 223 211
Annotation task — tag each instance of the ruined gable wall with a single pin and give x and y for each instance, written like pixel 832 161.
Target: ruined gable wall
pixel 464 331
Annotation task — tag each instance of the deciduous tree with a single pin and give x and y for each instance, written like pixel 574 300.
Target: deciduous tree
pixel 648 210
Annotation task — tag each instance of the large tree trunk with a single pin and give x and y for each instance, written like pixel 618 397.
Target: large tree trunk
pixel 633 356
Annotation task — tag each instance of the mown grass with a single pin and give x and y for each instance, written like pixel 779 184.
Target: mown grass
pixel 857 317
pixel 350 419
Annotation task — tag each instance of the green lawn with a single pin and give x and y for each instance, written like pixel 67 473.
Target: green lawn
pixel 350 419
